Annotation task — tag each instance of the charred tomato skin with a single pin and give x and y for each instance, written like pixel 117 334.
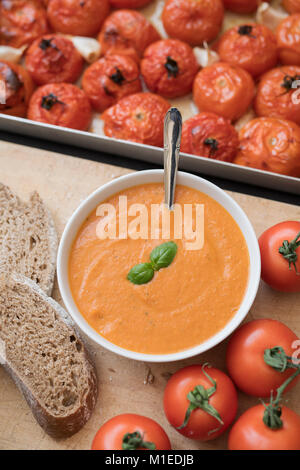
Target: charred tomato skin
pixel 250 433
pixel 270 144
pixel 193 22
pixel 209 135
pixel 288 40
pixel 111 433
pixel 21 21
pixel 274 97
pixel 242 6
pixel 60 104
pixel 138 117
pixel 128 32
pixel 18 88
pixel 292 6
pixel 77 17
pixel 252 47
pixel 109 79
pixel 53 59
pixel 129 3
pixel 224 89
pixel 169 67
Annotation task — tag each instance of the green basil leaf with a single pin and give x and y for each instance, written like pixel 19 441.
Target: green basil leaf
pixel 163 255
pixel 141 273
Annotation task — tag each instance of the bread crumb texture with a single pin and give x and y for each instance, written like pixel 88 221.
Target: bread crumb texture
pixel 28 240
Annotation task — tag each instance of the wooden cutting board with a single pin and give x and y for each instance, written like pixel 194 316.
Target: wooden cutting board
pixel 63 182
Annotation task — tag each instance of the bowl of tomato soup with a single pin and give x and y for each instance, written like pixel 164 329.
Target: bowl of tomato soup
pixel 176 304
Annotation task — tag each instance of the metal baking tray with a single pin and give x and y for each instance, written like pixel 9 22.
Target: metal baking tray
pixel 150 154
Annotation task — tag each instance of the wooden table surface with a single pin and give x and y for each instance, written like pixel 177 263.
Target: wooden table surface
pixel 63 182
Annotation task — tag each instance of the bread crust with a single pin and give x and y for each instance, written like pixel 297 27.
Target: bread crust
pixel 55 426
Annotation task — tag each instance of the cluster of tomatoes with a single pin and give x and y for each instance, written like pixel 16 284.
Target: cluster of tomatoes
pixel 262 359
pixel 256 67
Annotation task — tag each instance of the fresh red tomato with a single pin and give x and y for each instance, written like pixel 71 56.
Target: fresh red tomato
pixel 131 432
pixel 245 356
pixel 200 402
pixel 251 433
pixel 280 256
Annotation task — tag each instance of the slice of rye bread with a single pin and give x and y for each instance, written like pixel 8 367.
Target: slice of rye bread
pixel 45 357
pixel 28 240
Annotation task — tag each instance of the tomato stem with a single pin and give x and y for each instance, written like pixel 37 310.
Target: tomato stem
pixel 272 414
pixel 134 441
pixel 278 360
pixel 199 398
pixel 288 251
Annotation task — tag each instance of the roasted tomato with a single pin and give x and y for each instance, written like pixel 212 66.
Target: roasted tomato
pixel 129 3
pixel 292 6
pixel 53 59
pixel 251 46
pixel 60 104
pixel 224 89
pixel 193 22
pixel 109 79
pixel 169 67
pixel 200 402
pixel 280 256
pixel 209 135
pixel 248 353
pixel 139 118
pixel 18 88
pixel 277 95
pixel 77 17
pixel 270 144
pixel 127 31
pixel 21 21
pixel 242 6
pixel 288 40
pixel 131 432
pixel 250 432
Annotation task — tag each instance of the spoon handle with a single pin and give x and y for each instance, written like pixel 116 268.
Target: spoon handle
pixel 172 138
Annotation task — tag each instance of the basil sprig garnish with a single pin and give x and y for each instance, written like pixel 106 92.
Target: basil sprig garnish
pixel 160 257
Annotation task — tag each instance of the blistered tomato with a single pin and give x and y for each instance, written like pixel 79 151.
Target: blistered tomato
pixel 21 21
pixel 109 79
pixel 139 118
pixel 53 59
pixel 224 89
pixel 128 32
pixel 129 3
pixel 250 46
pixel 77 17
pixel 211 136
pixel 270 144
pixel 242 6
pixel 17 89
pixel 193 22
pixel 277 94
pixel 292 6
pixel 169 67
pixel 60 104
pixel 288 39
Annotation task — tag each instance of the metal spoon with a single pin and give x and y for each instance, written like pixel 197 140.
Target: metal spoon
pixel 172 138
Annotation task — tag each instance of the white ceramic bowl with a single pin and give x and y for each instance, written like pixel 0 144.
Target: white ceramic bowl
pixel 156 176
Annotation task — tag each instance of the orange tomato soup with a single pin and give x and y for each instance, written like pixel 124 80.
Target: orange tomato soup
pixel 184 304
